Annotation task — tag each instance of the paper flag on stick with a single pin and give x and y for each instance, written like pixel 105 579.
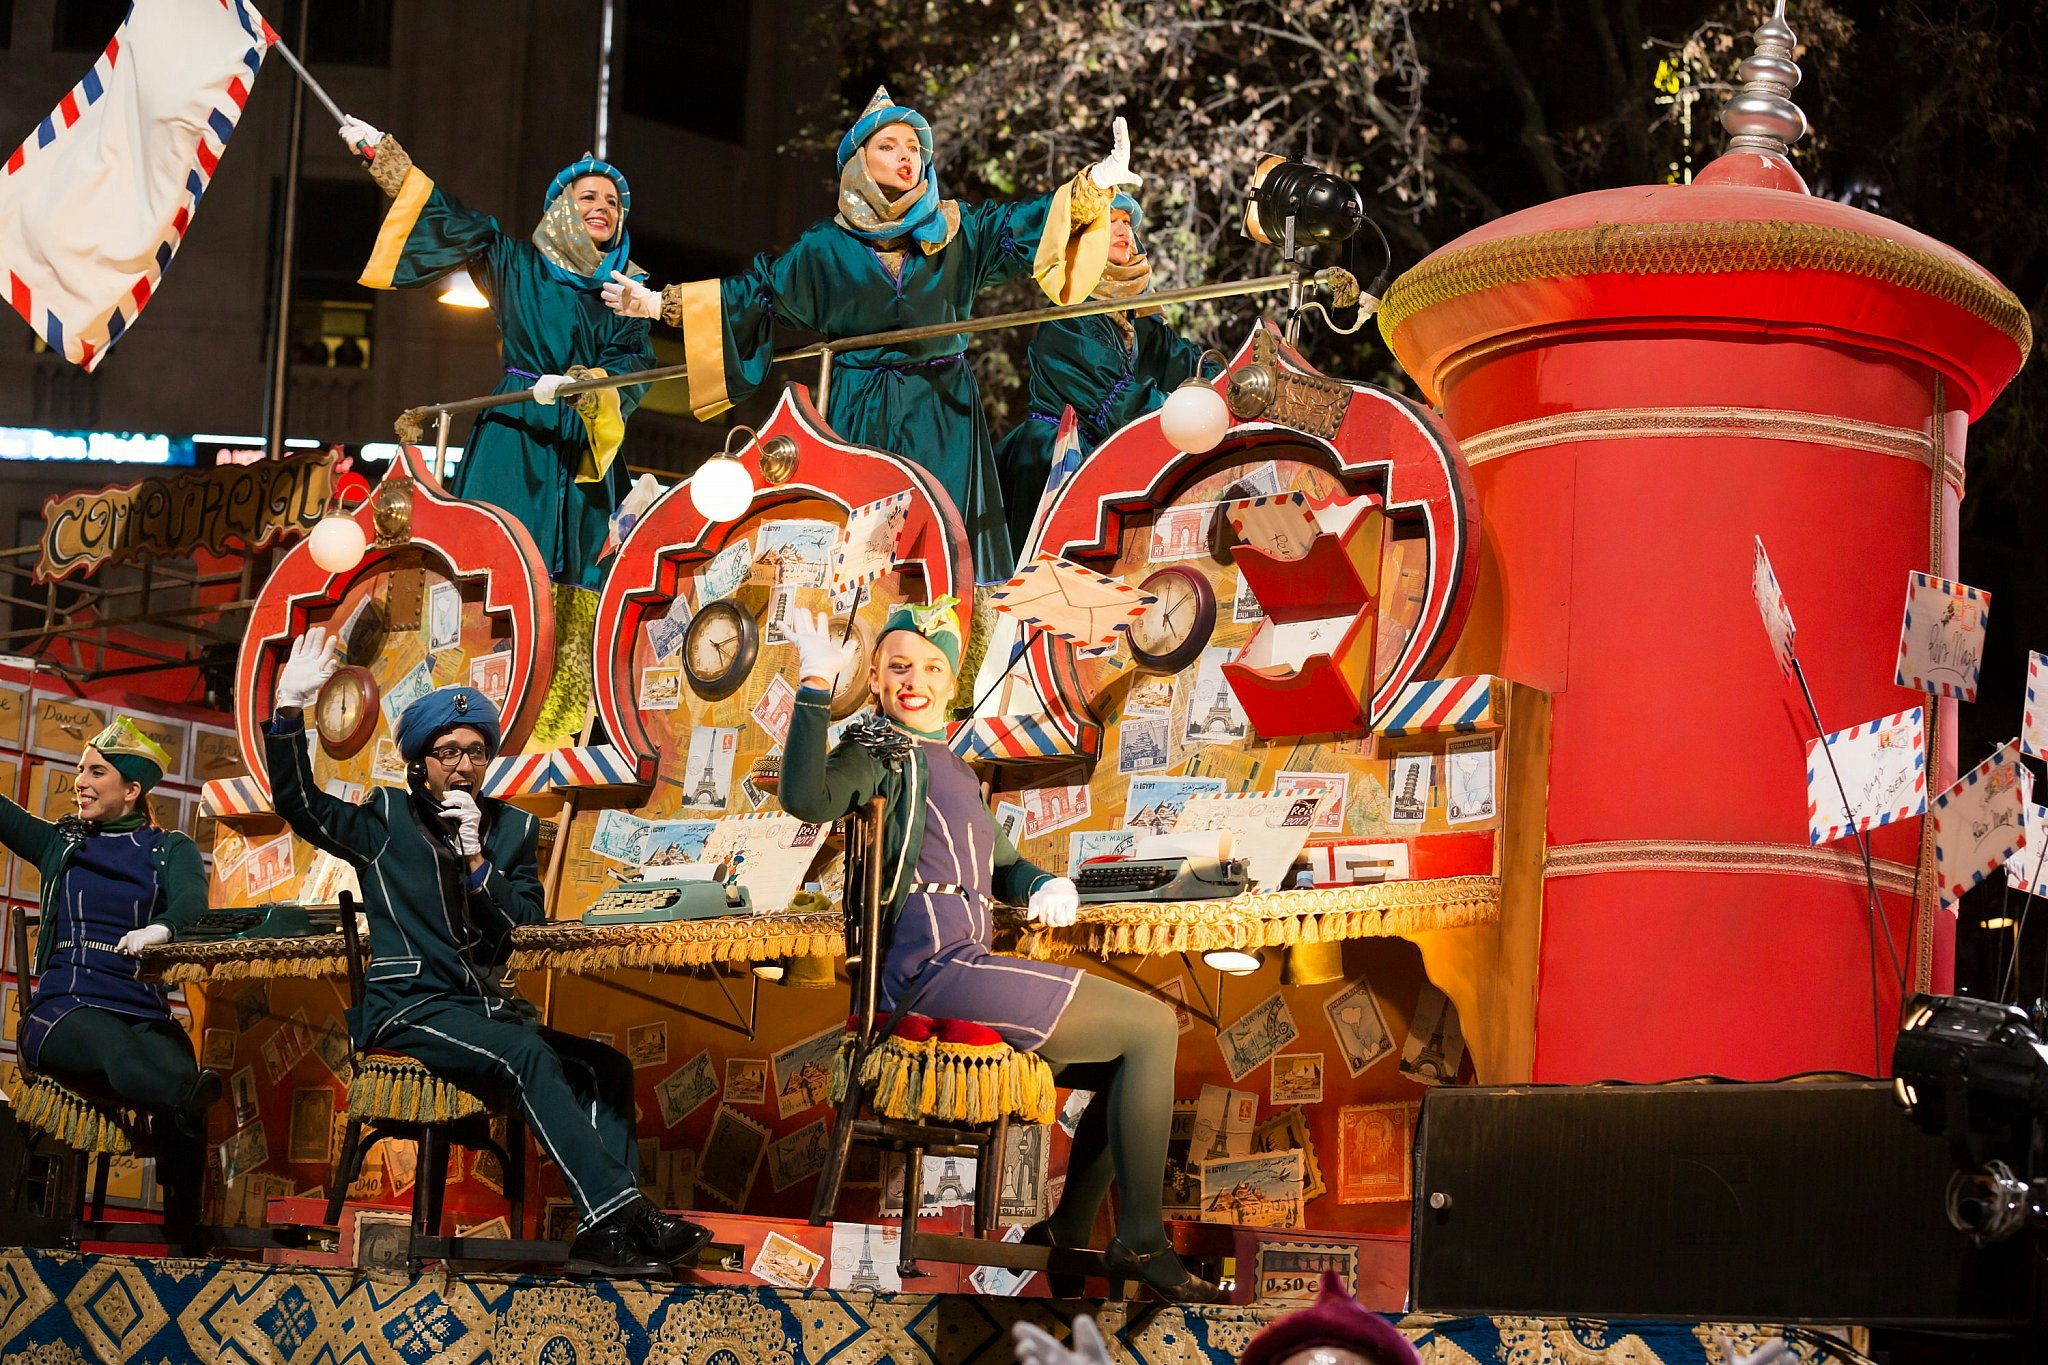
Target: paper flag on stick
pixel 1977 823
pixel 1076 604
pixel 1883 767
pixel 1770 604
pixel 1941 642
pixel 2026 869
pixel 866 548
pixel 2034 721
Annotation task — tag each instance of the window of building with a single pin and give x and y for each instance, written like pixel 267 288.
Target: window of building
pixel 6 24
pixel 686 65
pixel 85 25
pixel 349 33
pixel 332 315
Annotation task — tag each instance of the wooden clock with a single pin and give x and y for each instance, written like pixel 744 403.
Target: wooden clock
pixel 1174 630
pixel 850 693
pixel 719 649
pixel 345 713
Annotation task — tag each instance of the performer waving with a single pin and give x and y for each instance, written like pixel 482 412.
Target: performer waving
pixel 895 256
pixel 115 883
pixel 552 466
pixel 446 877
pixel 949 861
pixel 1110 368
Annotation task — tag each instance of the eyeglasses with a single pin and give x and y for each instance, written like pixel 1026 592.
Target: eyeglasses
pixel 448 755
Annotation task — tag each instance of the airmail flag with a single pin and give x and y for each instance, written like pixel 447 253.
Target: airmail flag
pixel 98 196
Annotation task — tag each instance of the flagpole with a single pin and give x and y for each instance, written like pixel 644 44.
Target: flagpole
pixel 305 76
pixel 288 233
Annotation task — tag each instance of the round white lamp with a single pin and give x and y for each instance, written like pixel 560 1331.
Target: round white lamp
pixel 337 543
pixel 1234 961
pixel 722 489
pixel 1195 417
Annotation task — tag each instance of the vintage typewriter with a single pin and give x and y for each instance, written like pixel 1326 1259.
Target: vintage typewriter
pixel 278 919
pixel 1161 879
pixel 663 902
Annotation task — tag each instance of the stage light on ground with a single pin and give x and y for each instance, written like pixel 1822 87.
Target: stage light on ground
pixel 460 291
pixel 1194 417
pixel 337 543
pixel 1234 961
pixel 722 489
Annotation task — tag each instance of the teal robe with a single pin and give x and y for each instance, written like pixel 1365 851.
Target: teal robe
pixel 1083 363
pixel 918 400
pixel 526 457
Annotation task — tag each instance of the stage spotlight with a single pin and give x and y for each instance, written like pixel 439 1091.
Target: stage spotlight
pixel 1325 208
pixel 337 543
pixel 1234 961
pixel 1954 1052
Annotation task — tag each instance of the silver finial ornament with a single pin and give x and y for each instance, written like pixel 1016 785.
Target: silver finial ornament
pixel 1761 116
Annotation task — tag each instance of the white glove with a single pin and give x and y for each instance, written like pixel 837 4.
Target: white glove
pixel 306 671
pixel 359 136
pixel 1036 1346
pixel 545 386
pixel 459 808
pixel 630 298
pixel 1115 169
pixel 1056 904
pixel 819 653
pixel 148 936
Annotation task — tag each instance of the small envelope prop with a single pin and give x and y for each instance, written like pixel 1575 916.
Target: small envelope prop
pixel 1770 604
pixel 2026 868
pixel 1977 823
pixel 1941 643
pixel 1063 599
pixel 866 548
pixel 2034 723
pixel 1883 767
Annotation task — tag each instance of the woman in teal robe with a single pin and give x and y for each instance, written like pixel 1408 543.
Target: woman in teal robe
pixel 1110 368
pixel 553 466
pixel 895 256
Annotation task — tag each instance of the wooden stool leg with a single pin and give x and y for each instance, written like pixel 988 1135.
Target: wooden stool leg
pixel 838 1151
pixel 347 1167
pixel 430 1174
pixel 989 1176
pixel 99 1185
pixel 913 1198
pixel 514 1163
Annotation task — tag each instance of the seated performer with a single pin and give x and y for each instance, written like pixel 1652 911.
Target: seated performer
pixel 115 883
pixel 950 860
pixel 445 879
pixel 895 255
pixel 552 467
pixel 1109 368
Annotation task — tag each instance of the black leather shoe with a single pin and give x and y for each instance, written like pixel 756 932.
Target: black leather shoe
pixel 1039 1234
pixel 663 1236
pixel 608 1249
pixel 1161 1272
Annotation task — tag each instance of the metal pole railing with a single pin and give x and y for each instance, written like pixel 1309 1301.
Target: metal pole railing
pixel 1194 293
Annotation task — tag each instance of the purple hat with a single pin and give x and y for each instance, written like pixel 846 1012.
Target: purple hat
pixel 1334 1319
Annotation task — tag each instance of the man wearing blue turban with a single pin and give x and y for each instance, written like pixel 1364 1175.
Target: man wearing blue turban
pixel 553 467
pixel 895 255
pixel 446 877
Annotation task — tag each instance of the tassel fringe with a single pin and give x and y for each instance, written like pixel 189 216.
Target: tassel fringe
pixel 403 1090
pixel 950 1082
pixel 72 1119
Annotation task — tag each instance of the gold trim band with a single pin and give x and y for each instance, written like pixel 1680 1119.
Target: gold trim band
pixel 1762 424
pixel 399 221
pixel 1693 855
pixel 1712 248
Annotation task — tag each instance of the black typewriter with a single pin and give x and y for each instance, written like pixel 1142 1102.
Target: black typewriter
pixel 1161 879
pixel 279 919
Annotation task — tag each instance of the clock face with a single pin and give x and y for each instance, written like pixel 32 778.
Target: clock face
pixel 1172 631
pixel 719 650
pixel 850 693
pixel 345 713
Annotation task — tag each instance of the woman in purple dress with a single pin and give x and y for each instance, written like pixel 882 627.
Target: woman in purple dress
pixel 945 863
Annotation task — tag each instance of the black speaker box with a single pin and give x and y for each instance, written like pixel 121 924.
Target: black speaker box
pixel 1815 1202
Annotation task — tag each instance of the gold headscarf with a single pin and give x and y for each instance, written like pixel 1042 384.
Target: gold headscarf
pixel 865 206
pixel 1123 282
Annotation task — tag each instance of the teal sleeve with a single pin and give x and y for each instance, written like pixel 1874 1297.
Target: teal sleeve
pixel 26 836
pixel 511 894
pixel 775 291
pixel 184 884
pixel 447 235
pixel 626 348
pixel 353 833
pixel 1015 879
pixel 817 786
pixel 1003 238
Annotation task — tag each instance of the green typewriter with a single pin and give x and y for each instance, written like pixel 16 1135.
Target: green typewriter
pixel 664 902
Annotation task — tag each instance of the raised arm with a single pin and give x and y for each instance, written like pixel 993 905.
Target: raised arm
pixel 355 834
pixel 426 233
pixel 1062 238
pixel 817 786
pixel 25 835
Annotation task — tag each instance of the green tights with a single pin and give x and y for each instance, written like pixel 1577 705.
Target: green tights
pixel 1119 1043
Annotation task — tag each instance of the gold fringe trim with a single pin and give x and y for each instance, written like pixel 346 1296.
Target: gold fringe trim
pixel 403 1090
pixel 590 949
pixel 1712 248
pixel 1629 424
pixel 949 1082
pixel 240 959
pixel 1688 855
pixel 53 1108
pixel 1272 919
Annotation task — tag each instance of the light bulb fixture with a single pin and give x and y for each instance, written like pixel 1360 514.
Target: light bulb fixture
pixel 722 489
pixel 771 971
pixel 1234 961
pixel 1194 416
pixel 461 292
pixel 1325 208
pixel 337 542
pixel 778 460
